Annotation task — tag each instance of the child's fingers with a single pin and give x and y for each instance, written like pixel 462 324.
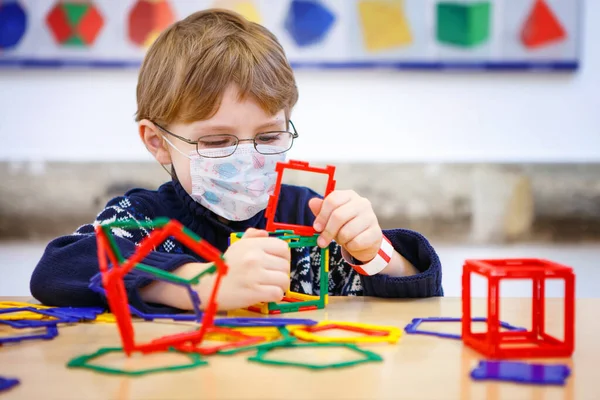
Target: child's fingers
pixel 255 233
pixel 275 263
pixel 275 247
pixel 352 229
pixel 274 278
pixel 335 200
pixel 269 293
pixel 337 220
pixel 371 238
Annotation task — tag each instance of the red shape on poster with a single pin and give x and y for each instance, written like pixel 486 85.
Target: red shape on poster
pixel 147 19
pixel 542 27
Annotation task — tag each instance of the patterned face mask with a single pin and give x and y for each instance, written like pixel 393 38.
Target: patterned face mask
pixel 236 187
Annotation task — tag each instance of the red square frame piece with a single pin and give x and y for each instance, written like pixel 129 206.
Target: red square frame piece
pixel 518 344
pixel 302 230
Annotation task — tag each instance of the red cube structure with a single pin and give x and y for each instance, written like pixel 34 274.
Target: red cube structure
pixel 518 344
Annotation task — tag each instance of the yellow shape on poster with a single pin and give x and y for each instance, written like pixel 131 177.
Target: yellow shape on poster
pixel 247 9
pixel 384 24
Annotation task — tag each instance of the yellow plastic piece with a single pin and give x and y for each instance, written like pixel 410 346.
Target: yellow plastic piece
pixel 393 333
pixel 267 332
pixel 327 271
pixel 384 24
pixel 301 296
pixel 23 314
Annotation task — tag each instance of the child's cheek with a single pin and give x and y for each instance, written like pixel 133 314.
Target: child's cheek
pixel 182 168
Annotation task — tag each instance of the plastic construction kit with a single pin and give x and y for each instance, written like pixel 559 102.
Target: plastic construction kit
pixel 51 333
pixel 520 372
pixel 7 383
pixel 57 318
pixel 297 236
pixel 113 278
pixel 498 344
pixel 84 362
pixel 413 327
pixel 292 301
pixel 371 333
pixel 365 356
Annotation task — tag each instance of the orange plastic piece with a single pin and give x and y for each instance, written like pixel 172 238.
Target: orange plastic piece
pixel 272 226
pixel 541 27
pixel 519 344
pixel 112 280
pixel 232 337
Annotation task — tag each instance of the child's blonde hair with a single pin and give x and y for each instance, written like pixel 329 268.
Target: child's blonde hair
pixel 191 63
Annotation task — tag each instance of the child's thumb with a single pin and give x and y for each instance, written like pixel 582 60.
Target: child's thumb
pixel 315 205
pixel 255 233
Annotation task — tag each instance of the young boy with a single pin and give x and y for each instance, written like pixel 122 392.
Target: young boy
pixel 215 94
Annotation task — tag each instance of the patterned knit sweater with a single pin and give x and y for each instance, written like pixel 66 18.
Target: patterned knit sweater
pixel 62 275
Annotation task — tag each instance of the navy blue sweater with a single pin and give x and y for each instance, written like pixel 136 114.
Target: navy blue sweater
pixel 62 276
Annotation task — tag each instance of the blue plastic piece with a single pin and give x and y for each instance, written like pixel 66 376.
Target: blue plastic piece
pixel 520 372
pixel 13 24
pixel 24 323
pixel 51 333
pixel 7 383
pixel 96 286
pixel 412 328
pixel 258 322
pixel 308 22
pixel 80 313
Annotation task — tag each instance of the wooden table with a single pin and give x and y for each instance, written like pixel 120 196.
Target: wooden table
pixel 418 367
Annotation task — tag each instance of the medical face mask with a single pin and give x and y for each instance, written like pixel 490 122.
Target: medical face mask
pixel 236 187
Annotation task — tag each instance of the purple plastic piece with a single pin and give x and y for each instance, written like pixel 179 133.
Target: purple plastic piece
pixel 51 333
pixel 96 286
pixel 7 383
pixel 412 327
pixel 520 372
pixel 24 323
pixel 256 322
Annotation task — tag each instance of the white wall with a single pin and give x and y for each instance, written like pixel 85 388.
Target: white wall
pixel 351 116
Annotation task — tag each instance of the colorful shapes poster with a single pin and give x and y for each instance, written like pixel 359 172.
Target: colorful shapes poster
pixel 403 34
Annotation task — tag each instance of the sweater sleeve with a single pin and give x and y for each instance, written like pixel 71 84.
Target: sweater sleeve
pixel 345 281
pixel 62 276
pixel 419 252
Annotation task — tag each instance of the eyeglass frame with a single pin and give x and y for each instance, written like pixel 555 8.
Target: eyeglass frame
pixel 237 143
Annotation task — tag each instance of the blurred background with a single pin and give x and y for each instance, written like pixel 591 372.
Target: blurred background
pixel 476 123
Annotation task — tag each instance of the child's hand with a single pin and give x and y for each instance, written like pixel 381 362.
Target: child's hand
pixel 348 219
pixel 259 268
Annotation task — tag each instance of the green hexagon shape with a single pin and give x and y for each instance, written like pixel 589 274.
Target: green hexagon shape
pixel 367 356
pixel 83 362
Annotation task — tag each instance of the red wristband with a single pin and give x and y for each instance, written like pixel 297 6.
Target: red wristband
pixel 376 265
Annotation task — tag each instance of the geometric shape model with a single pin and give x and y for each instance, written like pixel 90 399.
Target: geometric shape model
pixel 147 19
pixel 308 22
pixel 303 230
pixel 51 333
pixel 246 9
pixel 7 383
pixel 371 333
pixel 463 24
pixel 367 356
pixel 519 344
pixel 113 278
pixel 75 23
pixel 412 328
pixel 541 27
pixel 520 372
pixel 292 301
pixel 13 24
pixel 83 362
pixel 24 323
pixel 384 25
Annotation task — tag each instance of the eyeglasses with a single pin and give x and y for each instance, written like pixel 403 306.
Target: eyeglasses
pixel 220 146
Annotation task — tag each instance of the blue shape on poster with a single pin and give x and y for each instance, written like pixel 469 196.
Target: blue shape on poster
pixel 308 22
pixel 13 23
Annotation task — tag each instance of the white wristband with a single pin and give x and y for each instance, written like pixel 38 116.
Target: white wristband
pixel 376 265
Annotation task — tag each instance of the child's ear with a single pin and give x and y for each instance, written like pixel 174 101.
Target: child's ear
pixel 153 139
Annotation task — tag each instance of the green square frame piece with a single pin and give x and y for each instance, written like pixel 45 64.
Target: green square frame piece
pixel 295 302
pixel 463 24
